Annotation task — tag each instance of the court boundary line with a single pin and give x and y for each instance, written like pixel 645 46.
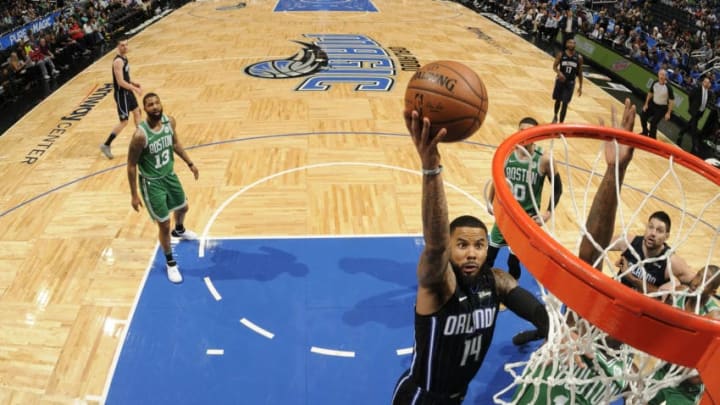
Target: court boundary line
pixel 123 337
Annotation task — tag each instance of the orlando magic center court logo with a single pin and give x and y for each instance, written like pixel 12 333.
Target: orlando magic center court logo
pixel 328 59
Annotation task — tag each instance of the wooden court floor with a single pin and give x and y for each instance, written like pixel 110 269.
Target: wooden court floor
pixel 73 253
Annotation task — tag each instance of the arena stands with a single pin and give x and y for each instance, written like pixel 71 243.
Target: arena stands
pixel 682 37
pixel 43 43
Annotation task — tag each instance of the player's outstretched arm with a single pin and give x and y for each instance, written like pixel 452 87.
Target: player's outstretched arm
pixel 601 219
pixel 436 283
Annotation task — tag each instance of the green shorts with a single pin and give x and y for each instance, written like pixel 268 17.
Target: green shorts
pixel 587 394
pixel 497 239
pixel 672 396
pixel 162 196
pixel 525 394
pixel 677 396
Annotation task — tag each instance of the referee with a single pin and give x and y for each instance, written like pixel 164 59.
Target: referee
pixel 658 104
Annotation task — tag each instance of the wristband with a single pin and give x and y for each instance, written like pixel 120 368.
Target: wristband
pixel 432 172
pixel 191 164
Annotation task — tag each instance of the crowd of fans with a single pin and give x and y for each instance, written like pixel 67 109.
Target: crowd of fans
pixel 83 30
pixel 680 36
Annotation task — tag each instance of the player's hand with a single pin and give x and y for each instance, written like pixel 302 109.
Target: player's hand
pixel 542 219
pixel 579 91
pixel 615 152
pixel 425 144
pixel 667 116
pixel 618 154
pixel 570 347
pixel 561 76
pixel 195 171
pixel 628 117
pixel 635 280
pixel 136 203
pixel 621 264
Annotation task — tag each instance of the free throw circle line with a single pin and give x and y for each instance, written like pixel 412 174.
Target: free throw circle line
pixel 211 221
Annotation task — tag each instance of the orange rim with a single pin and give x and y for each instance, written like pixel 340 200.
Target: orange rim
pixel 644 323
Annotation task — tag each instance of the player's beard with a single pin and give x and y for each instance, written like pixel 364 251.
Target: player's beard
pixel 467 282
pixel 155 116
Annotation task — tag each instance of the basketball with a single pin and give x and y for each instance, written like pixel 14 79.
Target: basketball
pixel 451 95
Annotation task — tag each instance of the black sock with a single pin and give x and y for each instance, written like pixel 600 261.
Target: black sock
pixel 110 138
pixel 514 266
pixel 179 228
pixel 563 111
pixel 169 259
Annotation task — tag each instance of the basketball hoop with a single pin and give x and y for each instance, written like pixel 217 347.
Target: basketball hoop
pixel 628 316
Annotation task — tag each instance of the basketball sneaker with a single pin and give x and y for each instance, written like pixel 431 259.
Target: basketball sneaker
pixel 186 235
pixel 105 149
pixel 173 274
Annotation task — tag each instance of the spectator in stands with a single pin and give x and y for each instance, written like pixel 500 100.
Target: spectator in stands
pixel 67 47
pixel 528 19
pixel 695 71
pixel 569 25
pixel 631 45
pixel 642 58
pixel 6 21
pixel 551 25
pixel 656 35
pixel 4 83
pixel 17 68
pixel 75 32
pixel 92 35
pixel 17 65
pixel 539 22
pixel 520 11
pixel 688 82
pixel 44 62
pixel 619 40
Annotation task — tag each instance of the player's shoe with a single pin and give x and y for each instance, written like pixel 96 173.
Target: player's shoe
pixel 105 149
pixel 187 235
pixel 173 274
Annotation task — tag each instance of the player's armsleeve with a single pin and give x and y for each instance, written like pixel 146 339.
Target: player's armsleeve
pixel 528 307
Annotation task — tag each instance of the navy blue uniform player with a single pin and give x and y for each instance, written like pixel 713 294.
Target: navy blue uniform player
pixel 458 294
pixel 124 95
pixel 567 67
pixel 650 249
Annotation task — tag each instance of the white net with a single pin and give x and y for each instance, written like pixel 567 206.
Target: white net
pixel 579 363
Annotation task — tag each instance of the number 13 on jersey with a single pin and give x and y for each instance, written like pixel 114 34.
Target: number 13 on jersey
pixel 162 159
